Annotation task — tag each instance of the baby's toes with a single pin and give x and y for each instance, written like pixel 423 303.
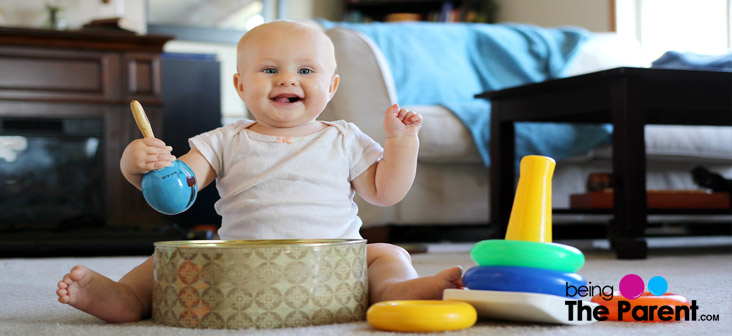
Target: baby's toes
pixel 63 296
pixel 62 284
pixel 451 274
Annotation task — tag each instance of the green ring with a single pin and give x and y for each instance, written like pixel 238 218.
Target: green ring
pixel 552 256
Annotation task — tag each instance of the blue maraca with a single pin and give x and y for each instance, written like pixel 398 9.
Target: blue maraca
pixel 170 190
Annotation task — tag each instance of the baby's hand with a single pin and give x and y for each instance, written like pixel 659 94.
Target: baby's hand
pixel 401 122
pixel 144 155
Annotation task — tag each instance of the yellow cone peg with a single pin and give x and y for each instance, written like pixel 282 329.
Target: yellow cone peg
pixel 531 215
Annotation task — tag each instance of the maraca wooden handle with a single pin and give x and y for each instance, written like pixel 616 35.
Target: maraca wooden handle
pixel 141 119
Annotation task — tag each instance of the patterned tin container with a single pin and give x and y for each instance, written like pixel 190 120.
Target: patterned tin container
pixel 237 284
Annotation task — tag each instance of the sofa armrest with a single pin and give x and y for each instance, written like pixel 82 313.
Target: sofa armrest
pixel 366 85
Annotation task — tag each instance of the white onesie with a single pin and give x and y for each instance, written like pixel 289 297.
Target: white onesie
pixel 287 188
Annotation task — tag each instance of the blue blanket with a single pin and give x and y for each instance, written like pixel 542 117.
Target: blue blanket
pixel 447 64
pixel 693 61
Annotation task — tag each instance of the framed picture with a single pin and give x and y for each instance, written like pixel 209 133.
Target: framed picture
pixel 223 21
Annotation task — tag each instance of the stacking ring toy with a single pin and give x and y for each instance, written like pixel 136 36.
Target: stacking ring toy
pixel 521 279
pixel 552 256
pixel 421 315
pixel 647 300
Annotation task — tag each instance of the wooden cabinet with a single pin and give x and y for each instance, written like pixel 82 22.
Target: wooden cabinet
pixel 84 75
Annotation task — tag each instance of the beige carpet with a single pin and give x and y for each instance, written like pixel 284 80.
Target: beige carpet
pixel 28 303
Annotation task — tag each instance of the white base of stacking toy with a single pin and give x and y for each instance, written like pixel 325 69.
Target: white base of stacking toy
pixel 518 306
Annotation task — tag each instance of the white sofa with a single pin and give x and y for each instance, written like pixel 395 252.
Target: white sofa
pixel 451 185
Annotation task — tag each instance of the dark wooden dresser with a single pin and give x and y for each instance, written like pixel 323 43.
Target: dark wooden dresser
pixel 77 85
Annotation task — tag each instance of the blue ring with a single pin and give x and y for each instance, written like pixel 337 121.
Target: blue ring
pixel 523 279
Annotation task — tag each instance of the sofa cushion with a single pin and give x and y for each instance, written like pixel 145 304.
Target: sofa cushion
pixel 700 144
pixel 444 138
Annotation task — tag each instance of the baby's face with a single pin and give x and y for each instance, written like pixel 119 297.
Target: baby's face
pixel 285 74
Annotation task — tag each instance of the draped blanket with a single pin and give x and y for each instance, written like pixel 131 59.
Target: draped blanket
pixel 447 64
pixel 693 61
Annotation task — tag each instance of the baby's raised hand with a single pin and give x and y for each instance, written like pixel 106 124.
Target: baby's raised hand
pixel 143 155
pixel 401 122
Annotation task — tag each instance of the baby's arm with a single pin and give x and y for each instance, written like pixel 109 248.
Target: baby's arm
pixel 386 182
pixel 144 155
pixel 205 174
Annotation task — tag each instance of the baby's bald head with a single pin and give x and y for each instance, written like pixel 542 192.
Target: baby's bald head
pixel 274 31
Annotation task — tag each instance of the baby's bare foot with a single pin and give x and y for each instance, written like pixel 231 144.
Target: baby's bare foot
pixel 72 284
pixel 97 295
pixel 424 288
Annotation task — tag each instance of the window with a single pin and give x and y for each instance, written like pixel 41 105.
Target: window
pixel 698 26
pixel 213 21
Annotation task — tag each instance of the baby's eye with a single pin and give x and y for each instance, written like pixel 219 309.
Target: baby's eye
pixel 270 70
pixel 305 71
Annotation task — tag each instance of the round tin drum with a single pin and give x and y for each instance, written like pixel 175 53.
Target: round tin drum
pixel 238 284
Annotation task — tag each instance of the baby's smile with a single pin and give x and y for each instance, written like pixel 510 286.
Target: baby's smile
pixel 286 98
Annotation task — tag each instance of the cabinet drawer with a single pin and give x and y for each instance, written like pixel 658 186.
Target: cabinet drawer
pixel 143 75
pixel 64 75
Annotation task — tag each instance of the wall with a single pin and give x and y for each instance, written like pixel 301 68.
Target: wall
pixel 594 15
pixel 303 10
pixel 33 14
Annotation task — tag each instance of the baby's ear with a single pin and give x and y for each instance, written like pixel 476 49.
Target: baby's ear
pixel 334 81
pixel 239 85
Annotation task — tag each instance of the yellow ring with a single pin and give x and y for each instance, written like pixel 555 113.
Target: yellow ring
pixel 421 315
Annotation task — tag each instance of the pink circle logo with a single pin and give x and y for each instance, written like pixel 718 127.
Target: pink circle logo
pixel 631 286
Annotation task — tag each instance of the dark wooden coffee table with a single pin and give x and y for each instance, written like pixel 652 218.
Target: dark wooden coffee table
pixel 627 98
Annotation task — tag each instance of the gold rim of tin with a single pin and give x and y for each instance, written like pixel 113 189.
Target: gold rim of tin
pixel 256 243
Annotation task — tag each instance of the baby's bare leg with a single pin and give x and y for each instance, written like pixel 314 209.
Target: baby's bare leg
pixel 392 276
pixel 128 300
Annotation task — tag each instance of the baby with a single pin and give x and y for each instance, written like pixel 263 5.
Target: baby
pixel 284 175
